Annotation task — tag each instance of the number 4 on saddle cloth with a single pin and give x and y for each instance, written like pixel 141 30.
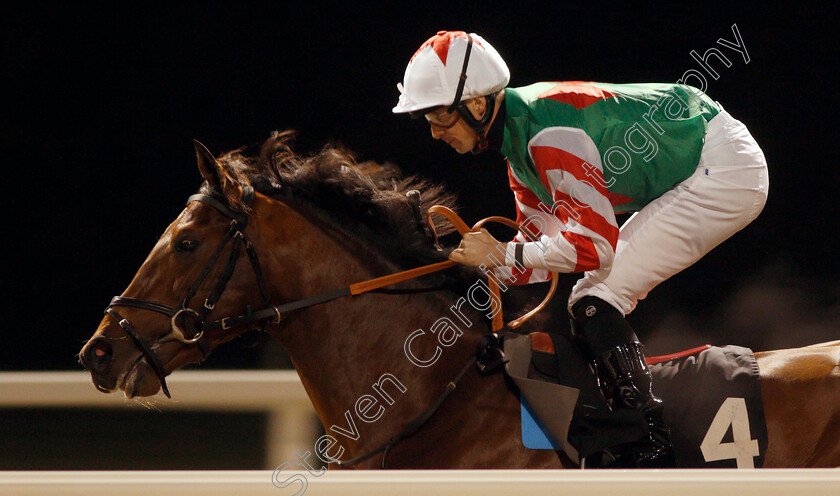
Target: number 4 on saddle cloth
pixel 712 401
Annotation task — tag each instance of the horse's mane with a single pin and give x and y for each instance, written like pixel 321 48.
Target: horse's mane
pixel 366 198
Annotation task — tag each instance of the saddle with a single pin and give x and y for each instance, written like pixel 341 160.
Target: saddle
pixel 707 386
pixel 709 393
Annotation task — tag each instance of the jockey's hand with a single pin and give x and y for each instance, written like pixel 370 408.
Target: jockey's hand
pixel 475 248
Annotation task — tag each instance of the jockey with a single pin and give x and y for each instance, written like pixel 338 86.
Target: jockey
pixel 577 154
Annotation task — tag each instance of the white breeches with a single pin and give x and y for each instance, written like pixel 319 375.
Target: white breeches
pixel 725 193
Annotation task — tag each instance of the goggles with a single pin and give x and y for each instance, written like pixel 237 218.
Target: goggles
pixel 442 117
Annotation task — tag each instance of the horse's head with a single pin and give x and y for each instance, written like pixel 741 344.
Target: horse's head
pixel 199 269
pixel 203 283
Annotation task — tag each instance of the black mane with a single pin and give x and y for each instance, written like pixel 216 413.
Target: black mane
pixel 366 199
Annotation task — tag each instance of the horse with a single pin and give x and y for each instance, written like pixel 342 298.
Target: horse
pixel 274 227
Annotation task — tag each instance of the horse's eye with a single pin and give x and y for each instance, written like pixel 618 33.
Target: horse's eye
pixel 186 246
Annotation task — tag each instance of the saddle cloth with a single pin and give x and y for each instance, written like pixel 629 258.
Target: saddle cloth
pixel 712 401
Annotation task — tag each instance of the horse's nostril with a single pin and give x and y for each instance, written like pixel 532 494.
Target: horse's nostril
pixel 98 355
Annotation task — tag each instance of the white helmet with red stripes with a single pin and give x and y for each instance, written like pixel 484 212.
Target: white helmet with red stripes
pixel 433 77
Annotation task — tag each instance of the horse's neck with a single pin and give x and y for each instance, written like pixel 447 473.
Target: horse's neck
pixel 351 353
pixel 347 348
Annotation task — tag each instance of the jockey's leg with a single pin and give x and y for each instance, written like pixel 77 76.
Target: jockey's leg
pixel 726 192
pixel 625 380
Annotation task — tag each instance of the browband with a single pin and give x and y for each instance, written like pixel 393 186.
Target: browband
pixel 219 204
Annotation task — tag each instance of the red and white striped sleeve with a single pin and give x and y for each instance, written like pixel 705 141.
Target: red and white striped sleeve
pixel 579 231
pixel 516 274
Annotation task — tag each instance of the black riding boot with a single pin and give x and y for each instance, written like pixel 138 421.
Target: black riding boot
pixel 625 380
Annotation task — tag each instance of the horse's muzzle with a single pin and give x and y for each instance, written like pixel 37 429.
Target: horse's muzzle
pixel 97 356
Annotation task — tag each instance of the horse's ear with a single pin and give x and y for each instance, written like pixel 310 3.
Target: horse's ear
pixel 207 165
pixel 215 174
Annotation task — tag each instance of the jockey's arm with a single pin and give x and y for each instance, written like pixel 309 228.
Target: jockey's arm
pixel 577 233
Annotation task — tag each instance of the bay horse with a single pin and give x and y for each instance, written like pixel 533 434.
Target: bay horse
pixel 276 227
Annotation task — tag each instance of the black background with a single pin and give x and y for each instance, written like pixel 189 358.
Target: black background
pixel 102 103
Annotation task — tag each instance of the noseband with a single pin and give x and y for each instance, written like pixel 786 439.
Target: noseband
pixel 197 326
pixel 195 321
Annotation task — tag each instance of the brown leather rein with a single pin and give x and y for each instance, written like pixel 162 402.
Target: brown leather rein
pixel 462 228
pixel 490 342
pixel 276 312
pixel 236 235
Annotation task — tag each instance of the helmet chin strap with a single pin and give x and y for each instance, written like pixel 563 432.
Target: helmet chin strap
pixel 478 125
pixel 480 145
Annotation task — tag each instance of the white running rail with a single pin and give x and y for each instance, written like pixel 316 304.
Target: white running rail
pixel 430 482
pixel 293 429
pixel 292 424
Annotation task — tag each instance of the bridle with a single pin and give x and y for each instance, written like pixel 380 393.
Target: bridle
pixel 488 355
pixel 196 324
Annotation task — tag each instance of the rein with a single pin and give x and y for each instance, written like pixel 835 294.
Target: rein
pixel 488 356
pixel 197 326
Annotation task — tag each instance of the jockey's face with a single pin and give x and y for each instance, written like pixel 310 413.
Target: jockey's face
pixel 451 127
